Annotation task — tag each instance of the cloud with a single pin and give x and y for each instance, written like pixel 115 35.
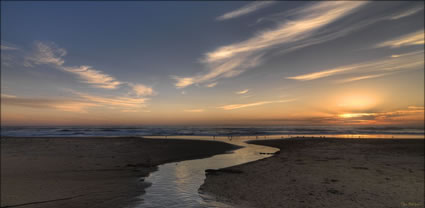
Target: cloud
pixel 51 54
pixel 142 90
pixel 416 107
pixel 406 13
pixel 247 9
pixel 7 48
pixel 183 81
pixel 58 104
pixel 7 96
pixel 415 38
pixel 211 84
pixel 232 60
pixel 46 53
pixel 308 20
pixel 194 110
pixel 405 61
pixel 94 77
pixel 321 74
pixel 363 77
pixel 125 102
pixel 78 104
pixel 237 106
pixel 411 113
pixel 242 92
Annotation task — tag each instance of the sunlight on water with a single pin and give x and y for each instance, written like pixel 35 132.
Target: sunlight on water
pixel 177 184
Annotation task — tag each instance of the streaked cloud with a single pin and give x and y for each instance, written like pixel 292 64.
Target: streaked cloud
pixel 94 77
pixel 183 81
pixel 321 74
pixel 416 107
pixel 247 9
pixel 308 20
pixel 7 48
pixel 7 96
pixel 352 79
pixel 405 61
pixel 234 59
pixel 355 115
pixel 58 104
pixel 51 54
pixel 406 13
pixel 409 113
pixel 415 38
pixel 194 110
pixel 125 102
pixel 46 53
pixel 211 84
pixel 79 103
pixel 242 92
pixel 237 106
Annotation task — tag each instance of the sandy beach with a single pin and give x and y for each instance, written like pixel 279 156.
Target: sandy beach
pixel 327 173
pixel 87 172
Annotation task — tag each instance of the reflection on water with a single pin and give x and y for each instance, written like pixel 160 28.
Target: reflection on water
pixel 177 184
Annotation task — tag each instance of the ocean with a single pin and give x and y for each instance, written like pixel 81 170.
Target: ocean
pixel 225 131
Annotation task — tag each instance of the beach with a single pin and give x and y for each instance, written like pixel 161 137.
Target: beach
pixel 318 172
pixel 88 172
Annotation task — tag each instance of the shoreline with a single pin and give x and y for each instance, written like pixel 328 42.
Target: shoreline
pixel 97 172
pixel 321 172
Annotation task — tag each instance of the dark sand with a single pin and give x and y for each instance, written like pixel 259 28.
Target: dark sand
pixel 327 173
pixel 87 172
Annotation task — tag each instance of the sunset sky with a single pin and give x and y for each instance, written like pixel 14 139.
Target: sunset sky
pixel 216 62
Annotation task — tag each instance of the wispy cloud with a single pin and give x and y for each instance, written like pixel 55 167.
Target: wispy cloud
pixel 194 110
pixel 321 74
pixel 308 20
pixel 7 96
pixel 142 90
pixel 231 60
pixel 409 113
pixel 46 53
pixel 242 92
pixel 247 9
pixel 237 106
pixel 211 84
pixel 416 107
pixel 94 77
pixel 406 13
pixel 415 38
pixel 58 104
pixel 7 48
pixel 352 79
pixel 125 102
pixel 405 61
pixel 51 54
pixel 79 103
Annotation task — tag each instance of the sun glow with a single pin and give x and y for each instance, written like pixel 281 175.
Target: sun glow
pixel 357 102
pixel 354 115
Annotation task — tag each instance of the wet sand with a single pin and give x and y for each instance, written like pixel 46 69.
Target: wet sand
pixel 87 172
pixel 327 173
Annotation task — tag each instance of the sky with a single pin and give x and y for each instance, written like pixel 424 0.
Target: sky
pixel 212 63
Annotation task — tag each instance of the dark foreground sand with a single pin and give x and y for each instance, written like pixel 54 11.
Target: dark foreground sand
pixel 87 172
pixel 327 173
